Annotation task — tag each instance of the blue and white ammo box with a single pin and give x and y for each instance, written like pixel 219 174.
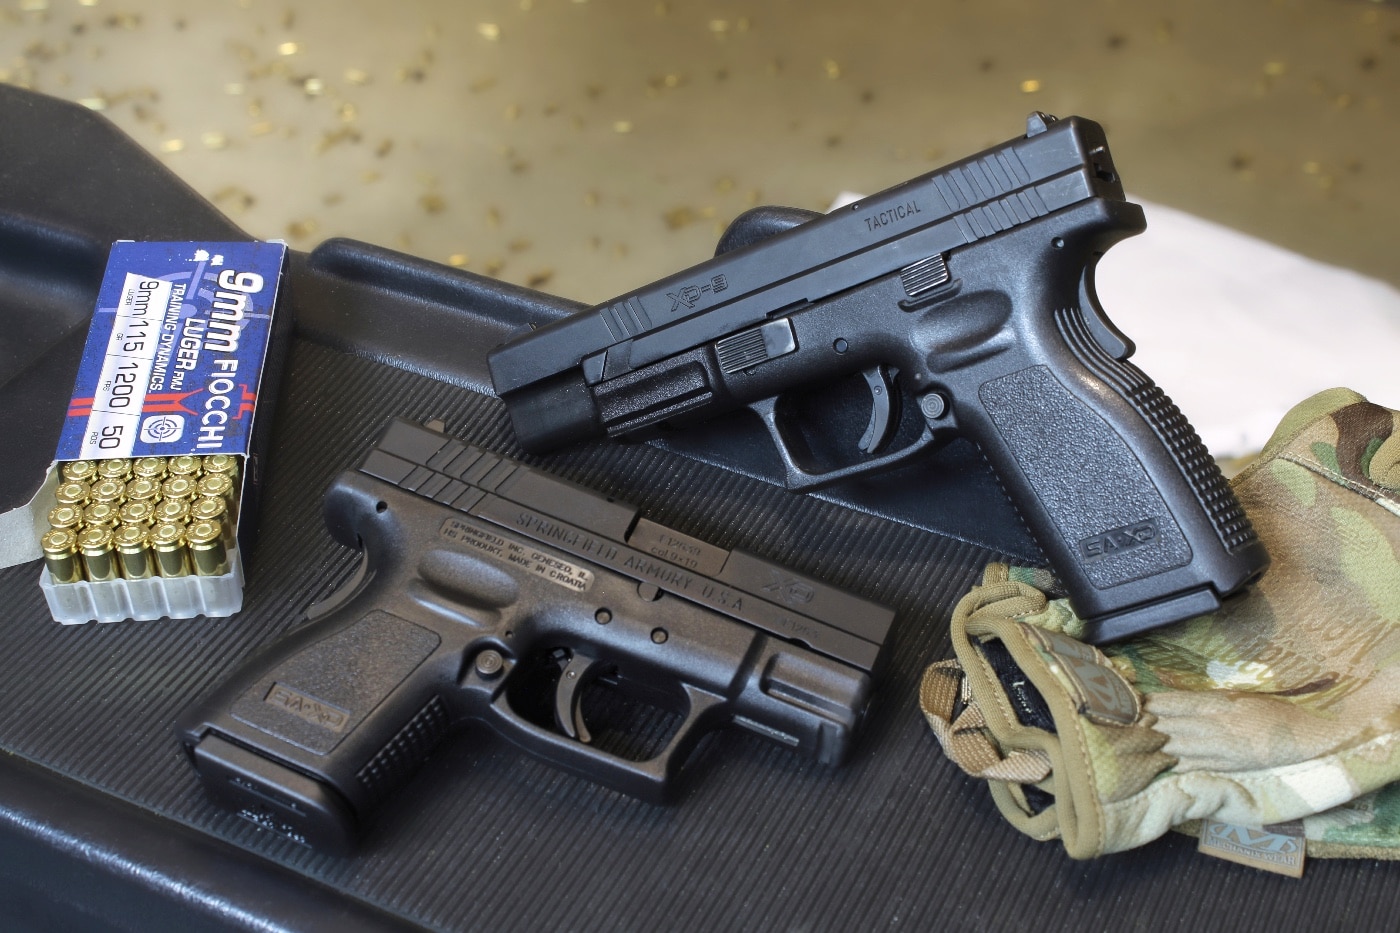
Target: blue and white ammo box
pixel 157 448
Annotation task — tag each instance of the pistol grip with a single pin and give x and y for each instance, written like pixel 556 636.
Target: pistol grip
pixel 309 736
pixel 1125 500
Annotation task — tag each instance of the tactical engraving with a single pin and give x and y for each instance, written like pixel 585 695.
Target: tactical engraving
pixel 659 572
pixel 304 706
pixel 893 215
pixel 1115 541
pixel 798 628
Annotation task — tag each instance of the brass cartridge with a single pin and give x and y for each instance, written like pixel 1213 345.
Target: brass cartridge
pixel 138 512
pixel 119 468
pixel 78 471
pixel 143 489
pixel 214 510
pixel 179 487
pixel 207 551
pixel 149 467
pixel 99 556
pixel 102 515
pixel 134 555
pixel 109 490
pixel 172 510
pixel 61 555
pixel 217 486
pixel 172 555
pixel 226 464
pixel 74 492
pixel 65 516
pixel 185 465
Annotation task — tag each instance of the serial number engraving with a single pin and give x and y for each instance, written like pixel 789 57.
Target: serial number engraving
pixel 1117 540
pixel 670 545
pixel 531 560
pixel 305 706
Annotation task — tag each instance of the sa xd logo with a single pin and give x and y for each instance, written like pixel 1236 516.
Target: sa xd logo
pixel 789 589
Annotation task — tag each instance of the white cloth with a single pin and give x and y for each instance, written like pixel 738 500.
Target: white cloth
pixel 1237 330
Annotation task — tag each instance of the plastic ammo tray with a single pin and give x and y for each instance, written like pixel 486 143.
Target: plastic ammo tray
pixel 103 824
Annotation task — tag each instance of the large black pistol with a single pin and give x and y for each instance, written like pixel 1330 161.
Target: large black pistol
pixel 493 592
pixel 960 303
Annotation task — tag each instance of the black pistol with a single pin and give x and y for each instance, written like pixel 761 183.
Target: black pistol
pixel 960 303
pixel 491 591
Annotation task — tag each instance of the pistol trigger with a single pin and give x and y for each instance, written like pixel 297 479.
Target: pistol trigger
pixel 883 416
pixel 568 701
pixel 1105 333
pixel 364 573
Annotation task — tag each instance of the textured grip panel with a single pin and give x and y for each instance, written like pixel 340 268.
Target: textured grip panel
pixel 1102 504
pixel 306 700
pixel 1176 433
pixel 401 756
pixel 1213 491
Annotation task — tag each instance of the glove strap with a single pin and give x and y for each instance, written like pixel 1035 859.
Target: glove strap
pixel 961 729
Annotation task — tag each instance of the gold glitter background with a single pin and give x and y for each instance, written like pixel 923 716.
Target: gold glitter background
pixel 586 147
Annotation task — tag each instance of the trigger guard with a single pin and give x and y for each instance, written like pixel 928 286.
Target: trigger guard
pixel 652 779
pixel 798 477
pixel 345 593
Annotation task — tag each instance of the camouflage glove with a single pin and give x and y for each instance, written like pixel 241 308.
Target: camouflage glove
pixel 1283 705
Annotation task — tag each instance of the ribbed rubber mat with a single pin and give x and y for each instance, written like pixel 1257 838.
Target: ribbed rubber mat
pixel 488 838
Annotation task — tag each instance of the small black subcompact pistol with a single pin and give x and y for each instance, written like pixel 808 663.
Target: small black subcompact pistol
pixel 491 591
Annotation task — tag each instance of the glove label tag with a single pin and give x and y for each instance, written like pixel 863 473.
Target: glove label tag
pixel 1279 848
pixel 1100 693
